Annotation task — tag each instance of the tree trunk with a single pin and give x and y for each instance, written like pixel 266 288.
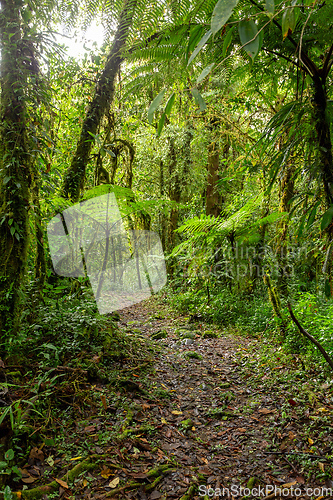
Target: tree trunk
pixel 325 151
pixel 15 169
pixel 286 194
pixel 213 202
pixel 213 197
pixel 40 264
pixel 324 137
pixel 174 193
pixel 99 106
pixel 162 218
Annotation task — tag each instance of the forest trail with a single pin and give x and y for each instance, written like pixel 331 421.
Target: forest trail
pixel 186 414
pixel 209 427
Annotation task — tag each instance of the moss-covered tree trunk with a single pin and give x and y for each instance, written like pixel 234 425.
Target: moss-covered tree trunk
pixel 40 261
pixel 175 190
pixel 213 202
pixel 323 129
pixel 213 197
pixel 322 125
pixel 99 106
pixel 286 194
pixel 15 169
pixel 162 218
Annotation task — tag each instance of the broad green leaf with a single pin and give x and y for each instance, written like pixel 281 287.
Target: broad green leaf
pixel 205 72
pixel 288 22
pixel 7 494
pixel 227 41
pixel 221 13
pixel 154 105
pixel 9 455
pixel 312 216
pixel 198 99
pixel 161 124
pixel 202 42
pixel 95 136
pixel 327 218
pixel 270 7
pixel 169 104
pixel 301 226
pixel 248 35
pixel 109 152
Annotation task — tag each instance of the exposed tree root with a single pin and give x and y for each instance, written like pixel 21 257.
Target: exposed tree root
pixel 157 472
pixel 38 492
pixel 190 493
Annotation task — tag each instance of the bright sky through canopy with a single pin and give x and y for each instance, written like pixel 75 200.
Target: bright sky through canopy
pixel 83 42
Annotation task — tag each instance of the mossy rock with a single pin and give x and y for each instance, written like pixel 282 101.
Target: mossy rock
pixel 187 335
pixel 193 355
pixel 159 335
pixel 209 334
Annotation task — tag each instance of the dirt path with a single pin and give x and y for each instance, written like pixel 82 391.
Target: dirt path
pixel 216 429
pixel 189 411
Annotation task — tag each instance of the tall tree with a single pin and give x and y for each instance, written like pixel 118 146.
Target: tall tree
pixel 16 165
pixel 99 105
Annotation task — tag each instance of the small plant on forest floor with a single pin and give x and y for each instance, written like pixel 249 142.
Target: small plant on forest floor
pixel 7 467
pixel 161 393
pixel 192 354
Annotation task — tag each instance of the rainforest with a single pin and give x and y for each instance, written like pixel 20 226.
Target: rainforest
pixel 166 249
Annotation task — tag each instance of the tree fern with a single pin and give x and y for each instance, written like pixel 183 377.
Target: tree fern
pixel 210 231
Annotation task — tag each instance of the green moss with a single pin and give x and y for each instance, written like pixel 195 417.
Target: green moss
pixel 192 354
pixel 209 334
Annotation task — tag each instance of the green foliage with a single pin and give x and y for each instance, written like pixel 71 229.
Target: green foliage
pixel 154 105
pixel 210 230
pixel 192 355
pixel 248 34
pixel 221 13
pixel 288 21
pixel 62 328
pixel 8 468
pixel 315 313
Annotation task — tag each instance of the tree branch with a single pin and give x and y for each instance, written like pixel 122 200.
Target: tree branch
pixel 307 63
pixel 308 336
pixel 287 59
pixel 327 64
